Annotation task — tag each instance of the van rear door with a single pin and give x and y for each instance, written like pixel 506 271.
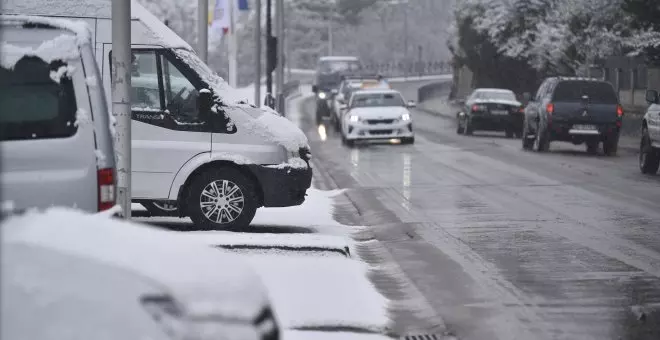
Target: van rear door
pixel 585 101
pixel 47 140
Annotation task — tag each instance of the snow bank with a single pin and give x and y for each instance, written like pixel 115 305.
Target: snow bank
pixel 322 292
pixel 210 281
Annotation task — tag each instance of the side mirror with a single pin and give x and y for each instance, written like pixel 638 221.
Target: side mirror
pixel 411 104
pixel 315 89
pixel 527 96
pixel 652 97
pixel 204 102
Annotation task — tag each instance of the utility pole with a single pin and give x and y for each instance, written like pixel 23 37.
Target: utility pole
pixel 121 99
pixel 280 53
pixel 233 46
pixel 330 38
pixel 202 29
pixel 405 39
pixel 257 54
pixel 269 48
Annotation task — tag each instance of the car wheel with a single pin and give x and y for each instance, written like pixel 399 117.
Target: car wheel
pixel 349 142
pixel 408 140
pixel 611 146
pixel 161 208
pixel 527 143
pixel 649 157
pixel 541 142
pixel 459 128
pixel 468 128
pixel 222 199
pixel 592 147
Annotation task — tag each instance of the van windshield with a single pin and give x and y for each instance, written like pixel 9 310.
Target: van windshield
pixel 33 105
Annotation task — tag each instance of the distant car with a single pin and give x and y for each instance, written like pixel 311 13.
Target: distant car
pixel 649 153
pixel 71 275
pixel 56 145
pixel 574 110
pixel 349 85
pixel 491 110
pixel 377 115
pixel 329 72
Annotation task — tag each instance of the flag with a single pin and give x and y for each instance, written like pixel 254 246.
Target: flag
pixel 219 16
pixel 243 5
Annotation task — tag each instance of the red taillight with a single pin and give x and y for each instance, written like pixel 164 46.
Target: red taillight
pixel 521 109
pixel 550 108
pixel 619 111
pixel 475 108
pixel 106 187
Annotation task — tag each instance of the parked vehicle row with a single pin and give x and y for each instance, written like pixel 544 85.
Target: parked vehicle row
pixel 196 151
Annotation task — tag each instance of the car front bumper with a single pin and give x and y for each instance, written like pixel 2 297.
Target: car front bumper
pixel 364 131
pixel 283 186
pixel 497 122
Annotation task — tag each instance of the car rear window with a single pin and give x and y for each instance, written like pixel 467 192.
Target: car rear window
pixel 33 105
pixel 598 92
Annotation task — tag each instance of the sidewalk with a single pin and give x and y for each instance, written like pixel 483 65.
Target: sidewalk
pixel 440 107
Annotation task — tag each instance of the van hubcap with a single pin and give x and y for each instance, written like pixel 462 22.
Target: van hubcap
pixel 222 201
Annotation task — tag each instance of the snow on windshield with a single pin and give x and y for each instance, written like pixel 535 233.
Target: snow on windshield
pixel 64 47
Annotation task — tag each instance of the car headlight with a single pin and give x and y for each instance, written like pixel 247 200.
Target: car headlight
pixel 354 119
pixel 405 117
pixel 322 95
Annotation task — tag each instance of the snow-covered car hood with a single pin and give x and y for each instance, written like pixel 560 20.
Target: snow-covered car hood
pixel 498 101
pixel 385 112
pixel 207 281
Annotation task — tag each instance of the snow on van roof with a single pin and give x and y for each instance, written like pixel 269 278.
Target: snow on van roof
pixel 63 47
pixel 97 9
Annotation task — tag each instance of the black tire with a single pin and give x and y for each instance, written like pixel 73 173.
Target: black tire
pixel 459 129
pixel 349 142
pixel 161 208
pixel 468 128
pixel 509 133
pixel 527 143
pixel 542 141
pixel 592 147
pixel 649 157
pixel 611 145
pixel 246 189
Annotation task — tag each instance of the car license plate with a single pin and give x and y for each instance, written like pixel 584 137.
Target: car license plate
pixel 582 127
pixel 499 112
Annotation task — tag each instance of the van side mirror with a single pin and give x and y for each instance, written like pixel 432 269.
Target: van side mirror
pixel 315 89
pixel 411 104
pixel 204 102
pixel 652 97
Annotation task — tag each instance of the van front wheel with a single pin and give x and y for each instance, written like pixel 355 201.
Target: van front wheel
pixel 222 199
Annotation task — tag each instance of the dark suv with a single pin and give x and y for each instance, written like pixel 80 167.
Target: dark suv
pixel 575 110
pixel 329 73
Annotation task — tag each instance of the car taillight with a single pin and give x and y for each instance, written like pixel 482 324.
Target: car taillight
pixel 619 111
pixel 475 108
pixel 106 187
pixel 521 109
pixel 550 108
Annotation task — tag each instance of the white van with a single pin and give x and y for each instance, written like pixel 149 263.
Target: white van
pixel 197 150
pixel 55 140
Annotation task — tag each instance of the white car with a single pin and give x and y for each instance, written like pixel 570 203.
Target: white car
pixel 70 275
pixel 377 114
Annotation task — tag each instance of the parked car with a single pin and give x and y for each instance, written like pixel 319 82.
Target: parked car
pixel 574 110
pixel 491 110
pixel 72 275
pixel 377 114
pixel 329 73
pixel 649 153
pixel 55 137
pixel 197 150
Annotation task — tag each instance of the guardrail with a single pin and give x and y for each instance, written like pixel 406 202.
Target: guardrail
pixel 402 69
pixel 433 90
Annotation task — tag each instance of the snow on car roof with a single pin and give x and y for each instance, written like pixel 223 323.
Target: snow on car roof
pixel 62 47
pixel 154 33
pixel 205 280
pixel 493 90
pixel 338 58
pixel 376 90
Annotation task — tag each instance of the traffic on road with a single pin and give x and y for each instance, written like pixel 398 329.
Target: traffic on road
pixel 365 198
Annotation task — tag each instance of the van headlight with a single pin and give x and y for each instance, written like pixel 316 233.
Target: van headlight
pixel 354 119
pixel 322 95
pixel 405 117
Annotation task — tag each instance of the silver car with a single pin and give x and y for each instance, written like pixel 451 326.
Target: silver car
pixel 55 133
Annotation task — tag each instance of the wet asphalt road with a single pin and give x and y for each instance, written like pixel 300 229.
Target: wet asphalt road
pixel 507 244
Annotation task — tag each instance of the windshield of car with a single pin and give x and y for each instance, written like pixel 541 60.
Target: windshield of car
pixel 338 66
pixel 596 92
pixel 495 95
pixel 377 99
pixel 33 105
